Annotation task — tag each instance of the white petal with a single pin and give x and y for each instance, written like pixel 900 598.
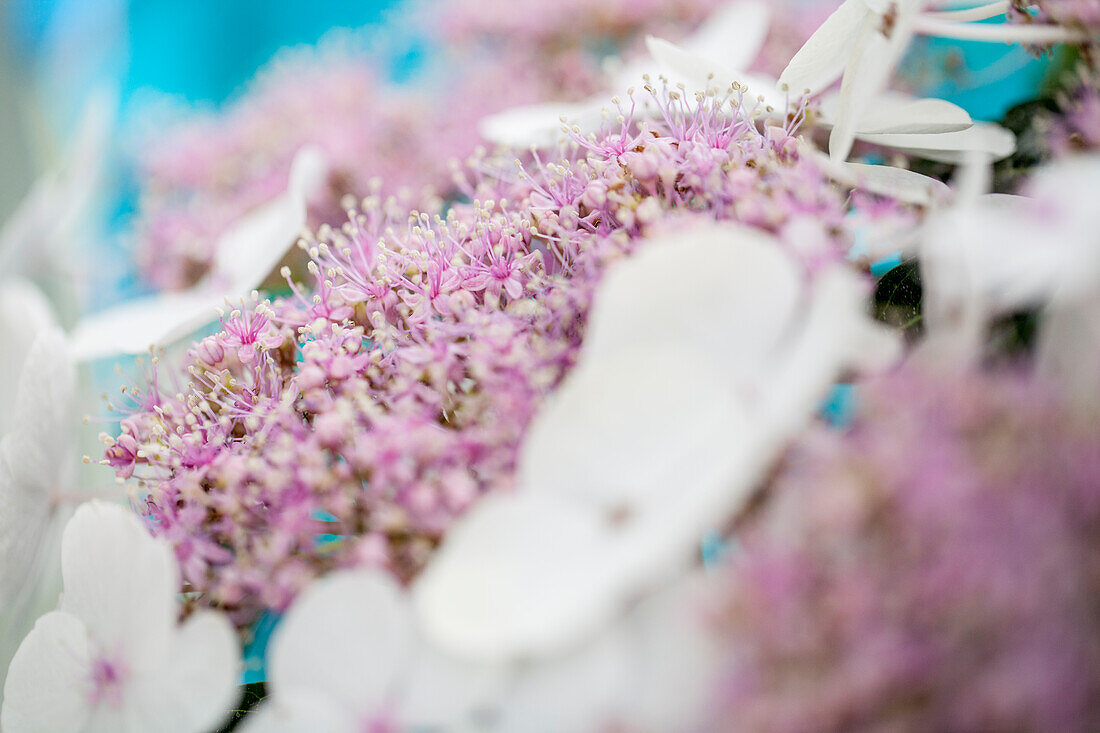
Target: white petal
pixel 245 255
pixel 1068 352
pixel 28 226
pixel 631 428
pixel 659 542
pixel 441 692
pixel 248 252
pixel 874 57
pixel 914 116
pixel 651 671
pixel 135 325
pixel 886 180
pixel 626 76
pixel 891 112
pixel 347 637
pixel 577 691
pixel 973 179
pixel 822 59
pixel 698 73
pixel 123 718
pixel 299 710
pixel 899 183
pixel 24 314
pixel 684 67
pixel 994 254
pixel 951 147
pixel 539 125
pixel 308 172
pixel 837 335
pixel 30 563
pixel 195 688
pixel 121 582
pixel 674 662
pixel 519 575
pixel 723 290
pixel 48 683
pixel 38 446
pixel 732 34
pixel 1065 209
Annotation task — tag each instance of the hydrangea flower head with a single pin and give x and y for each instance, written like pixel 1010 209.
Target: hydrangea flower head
pixel 396 390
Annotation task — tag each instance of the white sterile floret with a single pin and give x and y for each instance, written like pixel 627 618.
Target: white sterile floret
pixel 730 39
pixel 988 256
pixel 861 44
pixel 45 235
pixel 646 446
pixel 245 255
pixel 112 658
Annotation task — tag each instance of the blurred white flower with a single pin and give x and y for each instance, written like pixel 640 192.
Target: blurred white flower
pixel 36 465
pixel 52 227
pixel 709 57
pixel 112 658
pixel 701 63
pixel 677 407
pixel 731 37
pixel 346 657
pixel 988 256
pixel 245 255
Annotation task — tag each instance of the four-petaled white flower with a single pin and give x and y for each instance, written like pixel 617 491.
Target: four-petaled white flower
pixel 113 658
pixel 245 255
pixel 706 351
pixel 347 658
